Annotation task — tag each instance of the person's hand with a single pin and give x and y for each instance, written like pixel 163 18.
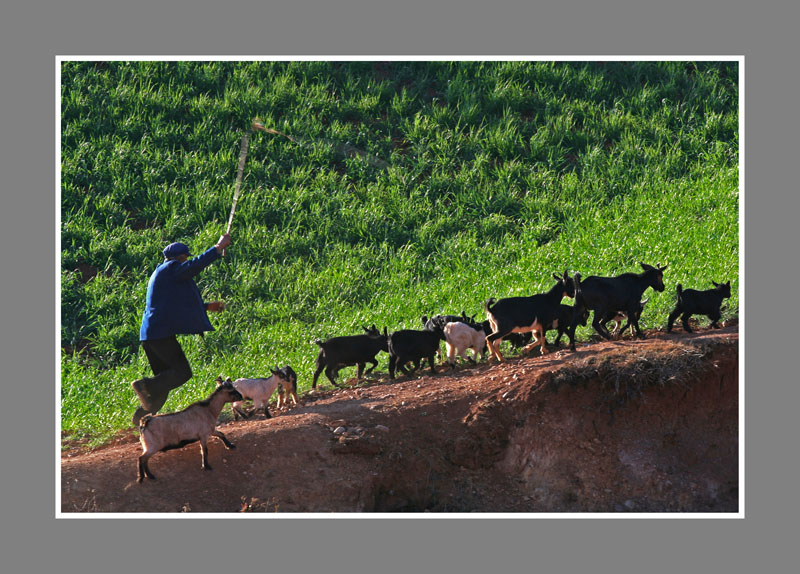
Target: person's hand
pixel 224 241
pixel 215 306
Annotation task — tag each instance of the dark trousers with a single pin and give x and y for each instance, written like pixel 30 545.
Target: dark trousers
pixel 170 370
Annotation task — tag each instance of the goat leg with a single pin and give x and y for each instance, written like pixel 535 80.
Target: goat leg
pixel 228 444
pixel 319 370
pixel 672 317
pixel 374 364
pixel 204 453
pixel 401 364
pixel 599 327
pixel 144 468
pixel 331 373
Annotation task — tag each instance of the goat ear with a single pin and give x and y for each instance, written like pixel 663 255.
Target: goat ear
pixel 424 319
pixel 556 277
pixel 714 283
pixel 646 267
pixel 385 331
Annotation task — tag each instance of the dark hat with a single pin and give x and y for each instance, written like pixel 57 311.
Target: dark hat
pixel 175 249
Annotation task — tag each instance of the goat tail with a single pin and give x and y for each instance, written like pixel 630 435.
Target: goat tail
pixel 143 422
pixel 488 305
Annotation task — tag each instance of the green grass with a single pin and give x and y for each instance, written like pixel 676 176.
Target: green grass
pixel 497 174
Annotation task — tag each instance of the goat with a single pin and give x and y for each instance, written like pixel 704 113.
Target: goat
pixel 259 390
pixel 197 422
pixel 565 316
pixel 526 314
pixel 621 316
pixel 608 295
pixel 562 325
pixel 460 336
pixel 693 302
pixel 409 345
pixel 338 352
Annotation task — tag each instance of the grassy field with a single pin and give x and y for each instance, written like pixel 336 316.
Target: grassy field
pixel 470 180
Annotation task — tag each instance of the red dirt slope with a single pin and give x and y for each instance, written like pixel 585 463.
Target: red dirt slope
pixel 620 426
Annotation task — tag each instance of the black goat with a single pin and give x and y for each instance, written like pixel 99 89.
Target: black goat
pixel 338 352
pixel 608 295
pixel 693 302
pixel 532 314
pixel 565 316
pixel 409 345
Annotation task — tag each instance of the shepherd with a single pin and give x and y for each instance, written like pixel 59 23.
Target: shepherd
pixel 174 306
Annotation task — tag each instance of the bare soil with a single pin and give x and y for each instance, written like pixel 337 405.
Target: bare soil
pixel 618 426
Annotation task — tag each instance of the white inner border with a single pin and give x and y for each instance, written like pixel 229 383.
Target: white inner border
pixel 429 515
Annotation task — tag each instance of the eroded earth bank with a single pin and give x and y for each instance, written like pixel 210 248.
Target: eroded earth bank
pixel 622 426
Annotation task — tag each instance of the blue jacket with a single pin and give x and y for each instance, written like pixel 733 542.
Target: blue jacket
pixel 174 304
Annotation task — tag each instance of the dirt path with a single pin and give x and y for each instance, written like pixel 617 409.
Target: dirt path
pixel 619 426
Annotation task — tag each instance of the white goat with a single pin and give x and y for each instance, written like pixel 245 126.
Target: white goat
pixel 196 422
pixel 259 390
pixel 459 337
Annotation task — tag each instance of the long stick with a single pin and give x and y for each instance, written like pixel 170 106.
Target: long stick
pixel 258 125
pixel 237 191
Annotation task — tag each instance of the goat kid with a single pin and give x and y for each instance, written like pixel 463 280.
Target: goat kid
pixel 338 352
pixel 197 422
pixel 606 296
pixel 693 302
pixel 459 337
pixel 259 390
pixel 561 325
pixel 532 314
pixel 409 345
